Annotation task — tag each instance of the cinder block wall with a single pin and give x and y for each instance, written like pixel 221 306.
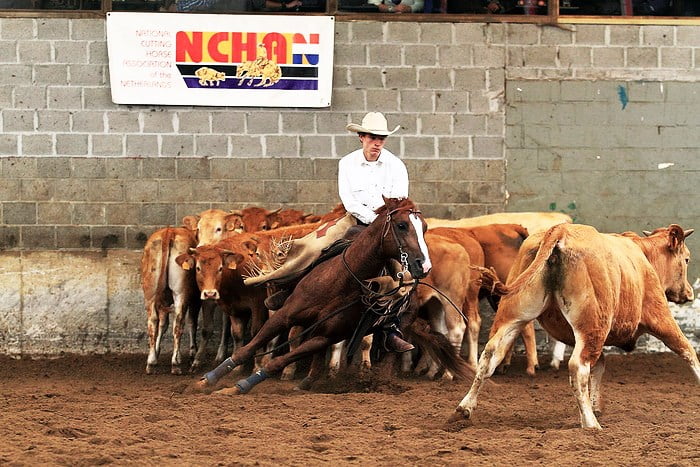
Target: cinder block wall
pixel 81 175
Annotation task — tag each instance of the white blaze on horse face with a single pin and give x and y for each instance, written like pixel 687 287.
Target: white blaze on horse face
pixel 418 227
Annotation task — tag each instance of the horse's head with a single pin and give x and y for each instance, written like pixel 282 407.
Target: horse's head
pixel 403 239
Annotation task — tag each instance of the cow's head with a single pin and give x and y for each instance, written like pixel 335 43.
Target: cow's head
pixel 256 219
pixel 670 259
pixel 214 225
pixel 211 263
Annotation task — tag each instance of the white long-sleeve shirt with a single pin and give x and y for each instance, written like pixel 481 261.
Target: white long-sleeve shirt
pixel 361 183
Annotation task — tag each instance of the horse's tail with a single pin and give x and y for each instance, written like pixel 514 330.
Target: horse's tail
pixel 439 348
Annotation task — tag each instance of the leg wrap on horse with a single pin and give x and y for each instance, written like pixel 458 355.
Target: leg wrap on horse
pixel 247 384
pixel 220 371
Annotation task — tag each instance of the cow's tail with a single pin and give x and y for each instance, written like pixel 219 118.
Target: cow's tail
pixel 164 253
pixel 536 269
pixel 489 281
pixel 439 348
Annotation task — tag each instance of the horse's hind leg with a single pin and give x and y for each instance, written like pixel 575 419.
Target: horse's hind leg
pixel 317 366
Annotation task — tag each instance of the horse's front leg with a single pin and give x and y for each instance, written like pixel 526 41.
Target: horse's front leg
pixel 309 347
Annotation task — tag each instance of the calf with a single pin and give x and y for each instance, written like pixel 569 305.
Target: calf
pixel 590 289
pixel 165 284
pixel 219 271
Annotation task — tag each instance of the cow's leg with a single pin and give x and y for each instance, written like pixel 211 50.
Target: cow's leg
pixel 586 352
pixel 163 321
pixel 179 311
pixel 365 352
pixel 309 347
pixel 152 315
pixel 226 329
pixel 667 330
pixel 334 363
pixel 290 370
pixel 596 385
pixel 491 357
pixel 192 321
pixel 530 341
pixel 557 354
pixel 208 309
pixel 406 362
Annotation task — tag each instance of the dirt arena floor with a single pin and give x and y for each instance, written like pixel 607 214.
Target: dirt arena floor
pixel 105 410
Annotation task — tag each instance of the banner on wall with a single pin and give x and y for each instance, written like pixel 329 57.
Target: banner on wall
pixel 220 60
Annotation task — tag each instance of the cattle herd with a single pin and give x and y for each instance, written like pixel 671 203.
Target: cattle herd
pixel 587 289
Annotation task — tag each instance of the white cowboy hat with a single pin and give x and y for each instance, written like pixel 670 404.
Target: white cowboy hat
pixel 373 123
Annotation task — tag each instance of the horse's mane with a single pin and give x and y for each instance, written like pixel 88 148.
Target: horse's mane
pixel 391 204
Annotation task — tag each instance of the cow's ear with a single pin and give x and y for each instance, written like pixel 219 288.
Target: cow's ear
pixel 274 225
pixel 309 218
pixel 232 260
pixel 250 246
pixel 676 236
pixel 185 261
pixel 234 222
pixel 191 222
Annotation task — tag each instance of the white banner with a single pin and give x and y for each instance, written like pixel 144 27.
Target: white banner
pixel 220 60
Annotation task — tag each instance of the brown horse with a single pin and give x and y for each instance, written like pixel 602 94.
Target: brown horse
pixel 327 301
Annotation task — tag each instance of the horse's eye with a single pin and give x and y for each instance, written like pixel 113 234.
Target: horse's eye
pixel 402 226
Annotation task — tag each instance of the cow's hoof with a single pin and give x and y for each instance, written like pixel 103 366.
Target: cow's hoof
pixel 305 384
pixel 202 384
pixel 150 369
pixel 234 391
pixel 459 415
pixel 287 376
pixel 333 373
pixel 176 370
pixel 503 369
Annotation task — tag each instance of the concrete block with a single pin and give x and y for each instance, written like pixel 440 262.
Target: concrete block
pixel 38 237
pixel 52 121
pixel 245 192
pixel 435 78
pixel 19 213
pixel 37 145
pixel 73 237
pixel 192 168
pixel 315 146
pixel 196 121
pixel 278 191
pixel 454 192
pixel 227 122
pixel 33 51
pixel 141 145
pixel 348 100
pixel 227 169
pixel 281 146
pixel 9 237
pixel 297 123
pixel 107 145
pixel 350 54
pixel 97 55
pixel 105 190
pixel 211 145
pixel 157 122
pixel 385 99
pixel 625 35
pixel 176 191
pixel 493 56
pixel 435 33
pixel 17 120
pixel 385 54
pixel 334 122
pixel 452 101
pixel 316 191
pixel 401 77
pixel 435 124
pixel 70 52
pixel 8 51
pixel 403 33
pixel 158 214
pixel 123 169
pixel 418 147
pixel 17 28
pixel 656 36
pixel 479 170
pixel 454 56
pixel 470 33
pixel 465 124
pixel 29 97
pixel 54 167
pixel 470 78
pixel 676 57
pixel 54 213
pixel 246 146
pixel 98 98
pixel 487 192
pixel 9 145
pixel 608 57
pixel 122 214
pixel 88 214
pixel 296 169
pixel 64 97
pixel 262 123
pixel 177 146
pixel 522 34
pixel 122 122
pixel 49 74
pixel 590 34
pixel 487 147
pixel 453 147
pixel 262 169
pixel 417 100
pixel 421 54
pixel 575 57
pixel 158 168
pixel 687 36
pixel 87 29
pixel 88 122
pixel 366 77
pixel 88 167
pixel 495 125
pixel 16 74
pixel 71 190
pixel 545 56
pixel 10 189
pixel 367 32
pixel 643 57
pixel 140 191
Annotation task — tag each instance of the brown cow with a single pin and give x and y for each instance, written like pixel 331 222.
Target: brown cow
pixel 256 218
pixel 533 221
pixel 166 285
pixel 213 225
pixel 219 271
pixel 287 217
pixel 590 289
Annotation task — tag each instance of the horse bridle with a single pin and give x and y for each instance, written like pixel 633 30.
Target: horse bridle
pixel 403 256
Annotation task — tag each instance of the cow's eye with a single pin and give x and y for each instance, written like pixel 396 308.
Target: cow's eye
pixel 221 268
pixel 265 227
pixel 402 226
pixel 218 229
pixel 199 269
pixel 687 260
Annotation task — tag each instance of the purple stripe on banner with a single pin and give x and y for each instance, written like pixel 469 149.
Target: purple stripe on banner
pixel 236 83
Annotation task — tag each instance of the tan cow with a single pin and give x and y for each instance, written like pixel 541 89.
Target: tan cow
pixel 166 287
pixel 209 76
pixel 590 289
pixel 213 225
pixel 533 221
